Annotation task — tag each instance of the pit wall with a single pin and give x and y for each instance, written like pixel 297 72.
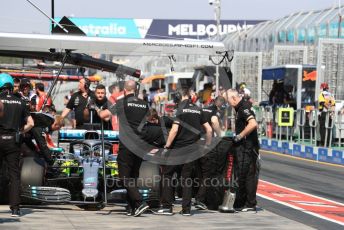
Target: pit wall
pixel 321 154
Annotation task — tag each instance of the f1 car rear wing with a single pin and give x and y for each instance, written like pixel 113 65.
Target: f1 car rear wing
pixel 70 135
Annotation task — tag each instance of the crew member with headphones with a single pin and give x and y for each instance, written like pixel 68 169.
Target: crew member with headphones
pixel 78 102
pixel 101 102
pixel 16 119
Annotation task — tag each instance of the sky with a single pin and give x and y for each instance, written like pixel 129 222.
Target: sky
pixel 20 16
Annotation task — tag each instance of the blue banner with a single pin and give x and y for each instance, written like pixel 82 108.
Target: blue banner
pixel 107 27
pixel 196 29
pixel 158 28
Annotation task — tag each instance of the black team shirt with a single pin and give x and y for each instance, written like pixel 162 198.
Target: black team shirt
pixel 78 103
pixel 131 112
pixel 208 112
pixel 190 121
pixel 103 104
pixel 15 113
pixel 243 112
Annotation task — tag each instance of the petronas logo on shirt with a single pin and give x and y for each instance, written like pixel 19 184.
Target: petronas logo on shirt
pixel 76 102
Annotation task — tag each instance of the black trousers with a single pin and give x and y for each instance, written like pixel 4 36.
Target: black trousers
pixel 129 168
pixel 10 152
pixel 212 166
pixel 168 185
pixel 247 172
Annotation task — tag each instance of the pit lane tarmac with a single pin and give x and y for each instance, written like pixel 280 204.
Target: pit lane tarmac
pixel 71 217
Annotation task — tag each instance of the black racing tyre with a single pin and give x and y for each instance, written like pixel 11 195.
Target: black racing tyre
pixel 149 176
pixel 32 172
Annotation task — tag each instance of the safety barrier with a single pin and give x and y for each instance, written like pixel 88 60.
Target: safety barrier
pixel 277 127
pixel 339 123
pixel 329 124
pixel 313 124
pixel 285 122
pixel 300 122
pixel 270 122
pixel 268 119
pixel 259 112
pixel 330 155
pixel 304 142
pixel 164 107
pixel 160 107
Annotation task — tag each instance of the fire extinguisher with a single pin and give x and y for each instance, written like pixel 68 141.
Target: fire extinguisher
pixel 230 160
pixel 269 129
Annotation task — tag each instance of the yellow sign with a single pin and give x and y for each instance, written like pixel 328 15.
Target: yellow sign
pixel 286 117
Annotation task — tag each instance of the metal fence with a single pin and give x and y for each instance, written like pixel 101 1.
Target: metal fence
pixel 284 55
pixel 305 128
pixel 246 67
pixel 328 55
pixel 330 66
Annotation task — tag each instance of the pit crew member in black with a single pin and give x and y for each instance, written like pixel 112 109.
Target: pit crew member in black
pixel 206 164
pixel 213 115
pixel 15 114
pixel 182 139
pixel 154 132
pixel 24 92
pixel 131 112
pixel 100 102
pixel 246 152
pixel 16 86
pixel 78 102
pixel 1 109
pixel 28 147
